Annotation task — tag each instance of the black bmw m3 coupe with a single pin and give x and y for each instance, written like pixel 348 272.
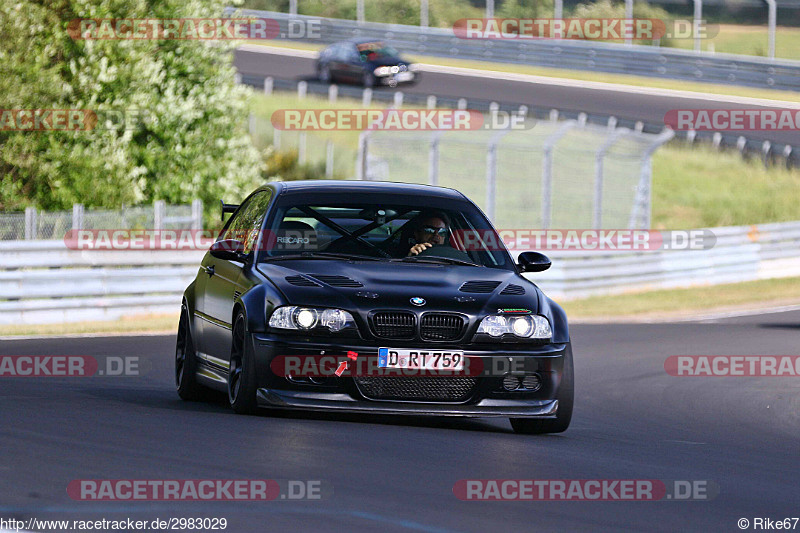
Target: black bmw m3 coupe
pixel 366 62
pixel 373 297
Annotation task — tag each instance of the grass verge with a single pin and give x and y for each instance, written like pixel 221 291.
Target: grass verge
pixel 700 186
pixel 130 324
pixel 687 302
pixel 749 40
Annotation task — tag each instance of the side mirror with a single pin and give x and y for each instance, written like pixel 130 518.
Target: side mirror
pixel 227 208
pixel 533 262
pixel 228 249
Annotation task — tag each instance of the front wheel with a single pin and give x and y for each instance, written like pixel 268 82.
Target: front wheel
pixel 324 73
pixel 368 80
pixel 565 397
pixel 241 375
pixel 186 362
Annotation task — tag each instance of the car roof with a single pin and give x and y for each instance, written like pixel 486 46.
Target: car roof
pixel 357 186
pixel 362 40
pixel 357 40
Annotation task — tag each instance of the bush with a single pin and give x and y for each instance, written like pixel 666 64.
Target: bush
pixel 609 9
pixel 283 165
pixel 195 146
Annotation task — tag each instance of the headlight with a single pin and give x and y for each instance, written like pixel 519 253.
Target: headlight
pixel 522 326
pixel 306 318
pixel 382 71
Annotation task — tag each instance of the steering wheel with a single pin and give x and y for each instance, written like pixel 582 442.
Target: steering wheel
pixel 446 251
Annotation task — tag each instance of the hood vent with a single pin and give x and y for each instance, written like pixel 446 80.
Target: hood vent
pixel 515 290
pixel 337 281
pixel 301 281
pixel 479 286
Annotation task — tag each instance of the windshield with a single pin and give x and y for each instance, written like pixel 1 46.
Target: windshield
pixel 387 232
pixel 376 50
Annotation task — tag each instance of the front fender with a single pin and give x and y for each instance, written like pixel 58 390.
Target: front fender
pixel 558 320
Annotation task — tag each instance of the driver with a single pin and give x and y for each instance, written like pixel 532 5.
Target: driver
pixel 430 229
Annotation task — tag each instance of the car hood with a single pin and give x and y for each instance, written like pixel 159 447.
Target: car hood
pixel 367 285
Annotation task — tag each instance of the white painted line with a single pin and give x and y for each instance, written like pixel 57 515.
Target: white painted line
pixel 700 317
pixel 750 312
pixel 557 82
pixel 278 51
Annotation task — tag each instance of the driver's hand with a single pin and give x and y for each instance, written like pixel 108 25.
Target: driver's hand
pixel 417 248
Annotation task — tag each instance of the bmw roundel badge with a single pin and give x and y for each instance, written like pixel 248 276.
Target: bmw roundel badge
pixel 416 300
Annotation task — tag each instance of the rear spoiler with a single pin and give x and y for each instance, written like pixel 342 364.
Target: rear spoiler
pixel 227 208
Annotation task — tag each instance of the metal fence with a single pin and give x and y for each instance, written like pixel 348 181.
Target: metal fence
pixel 33 224
pixel 45 282
pixel 563 174
pixel 639 60
pixel 741 253
pixel 551 173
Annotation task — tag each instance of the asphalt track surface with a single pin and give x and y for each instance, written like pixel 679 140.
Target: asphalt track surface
pixel 649 108
pixel 632 421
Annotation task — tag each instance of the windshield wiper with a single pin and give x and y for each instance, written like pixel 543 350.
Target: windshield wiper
pixel 434 259
pixel 322 255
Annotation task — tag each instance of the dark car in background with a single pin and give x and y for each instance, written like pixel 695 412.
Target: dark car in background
pixel 364 61
pixel 408 283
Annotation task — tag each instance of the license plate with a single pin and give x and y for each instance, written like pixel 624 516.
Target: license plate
pixel 420 359
pixel 404 76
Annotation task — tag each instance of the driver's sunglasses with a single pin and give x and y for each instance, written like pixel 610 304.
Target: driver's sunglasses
pixel 430 230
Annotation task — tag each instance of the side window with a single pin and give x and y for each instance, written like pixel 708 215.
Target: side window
pixel 246 223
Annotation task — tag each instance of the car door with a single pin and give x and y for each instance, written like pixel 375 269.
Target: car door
pixel 353 64
pixel 337 63
pixel 223 284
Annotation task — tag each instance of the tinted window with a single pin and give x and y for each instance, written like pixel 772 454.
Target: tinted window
pixel 383 231
pixel 375 50
pixel 245 225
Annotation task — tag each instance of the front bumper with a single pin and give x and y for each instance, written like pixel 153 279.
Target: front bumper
pixel 487 399
pixel 315 401
pixel 393 80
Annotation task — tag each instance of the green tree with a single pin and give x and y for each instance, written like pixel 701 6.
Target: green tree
pixel 193 145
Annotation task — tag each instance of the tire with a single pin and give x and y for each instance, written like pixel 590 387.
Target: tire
pixel 186 362
pixel 565 397
pixel 368 80
pixel 242 388
pixel 324 73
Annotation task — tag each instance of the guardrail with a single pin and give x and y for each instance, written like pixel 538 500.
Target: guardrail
pixel 639 60
pixel 741 253
pixel 45 282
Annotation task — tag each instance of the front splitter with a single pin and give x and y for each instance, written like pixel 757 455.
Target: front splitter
pixel 315 401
